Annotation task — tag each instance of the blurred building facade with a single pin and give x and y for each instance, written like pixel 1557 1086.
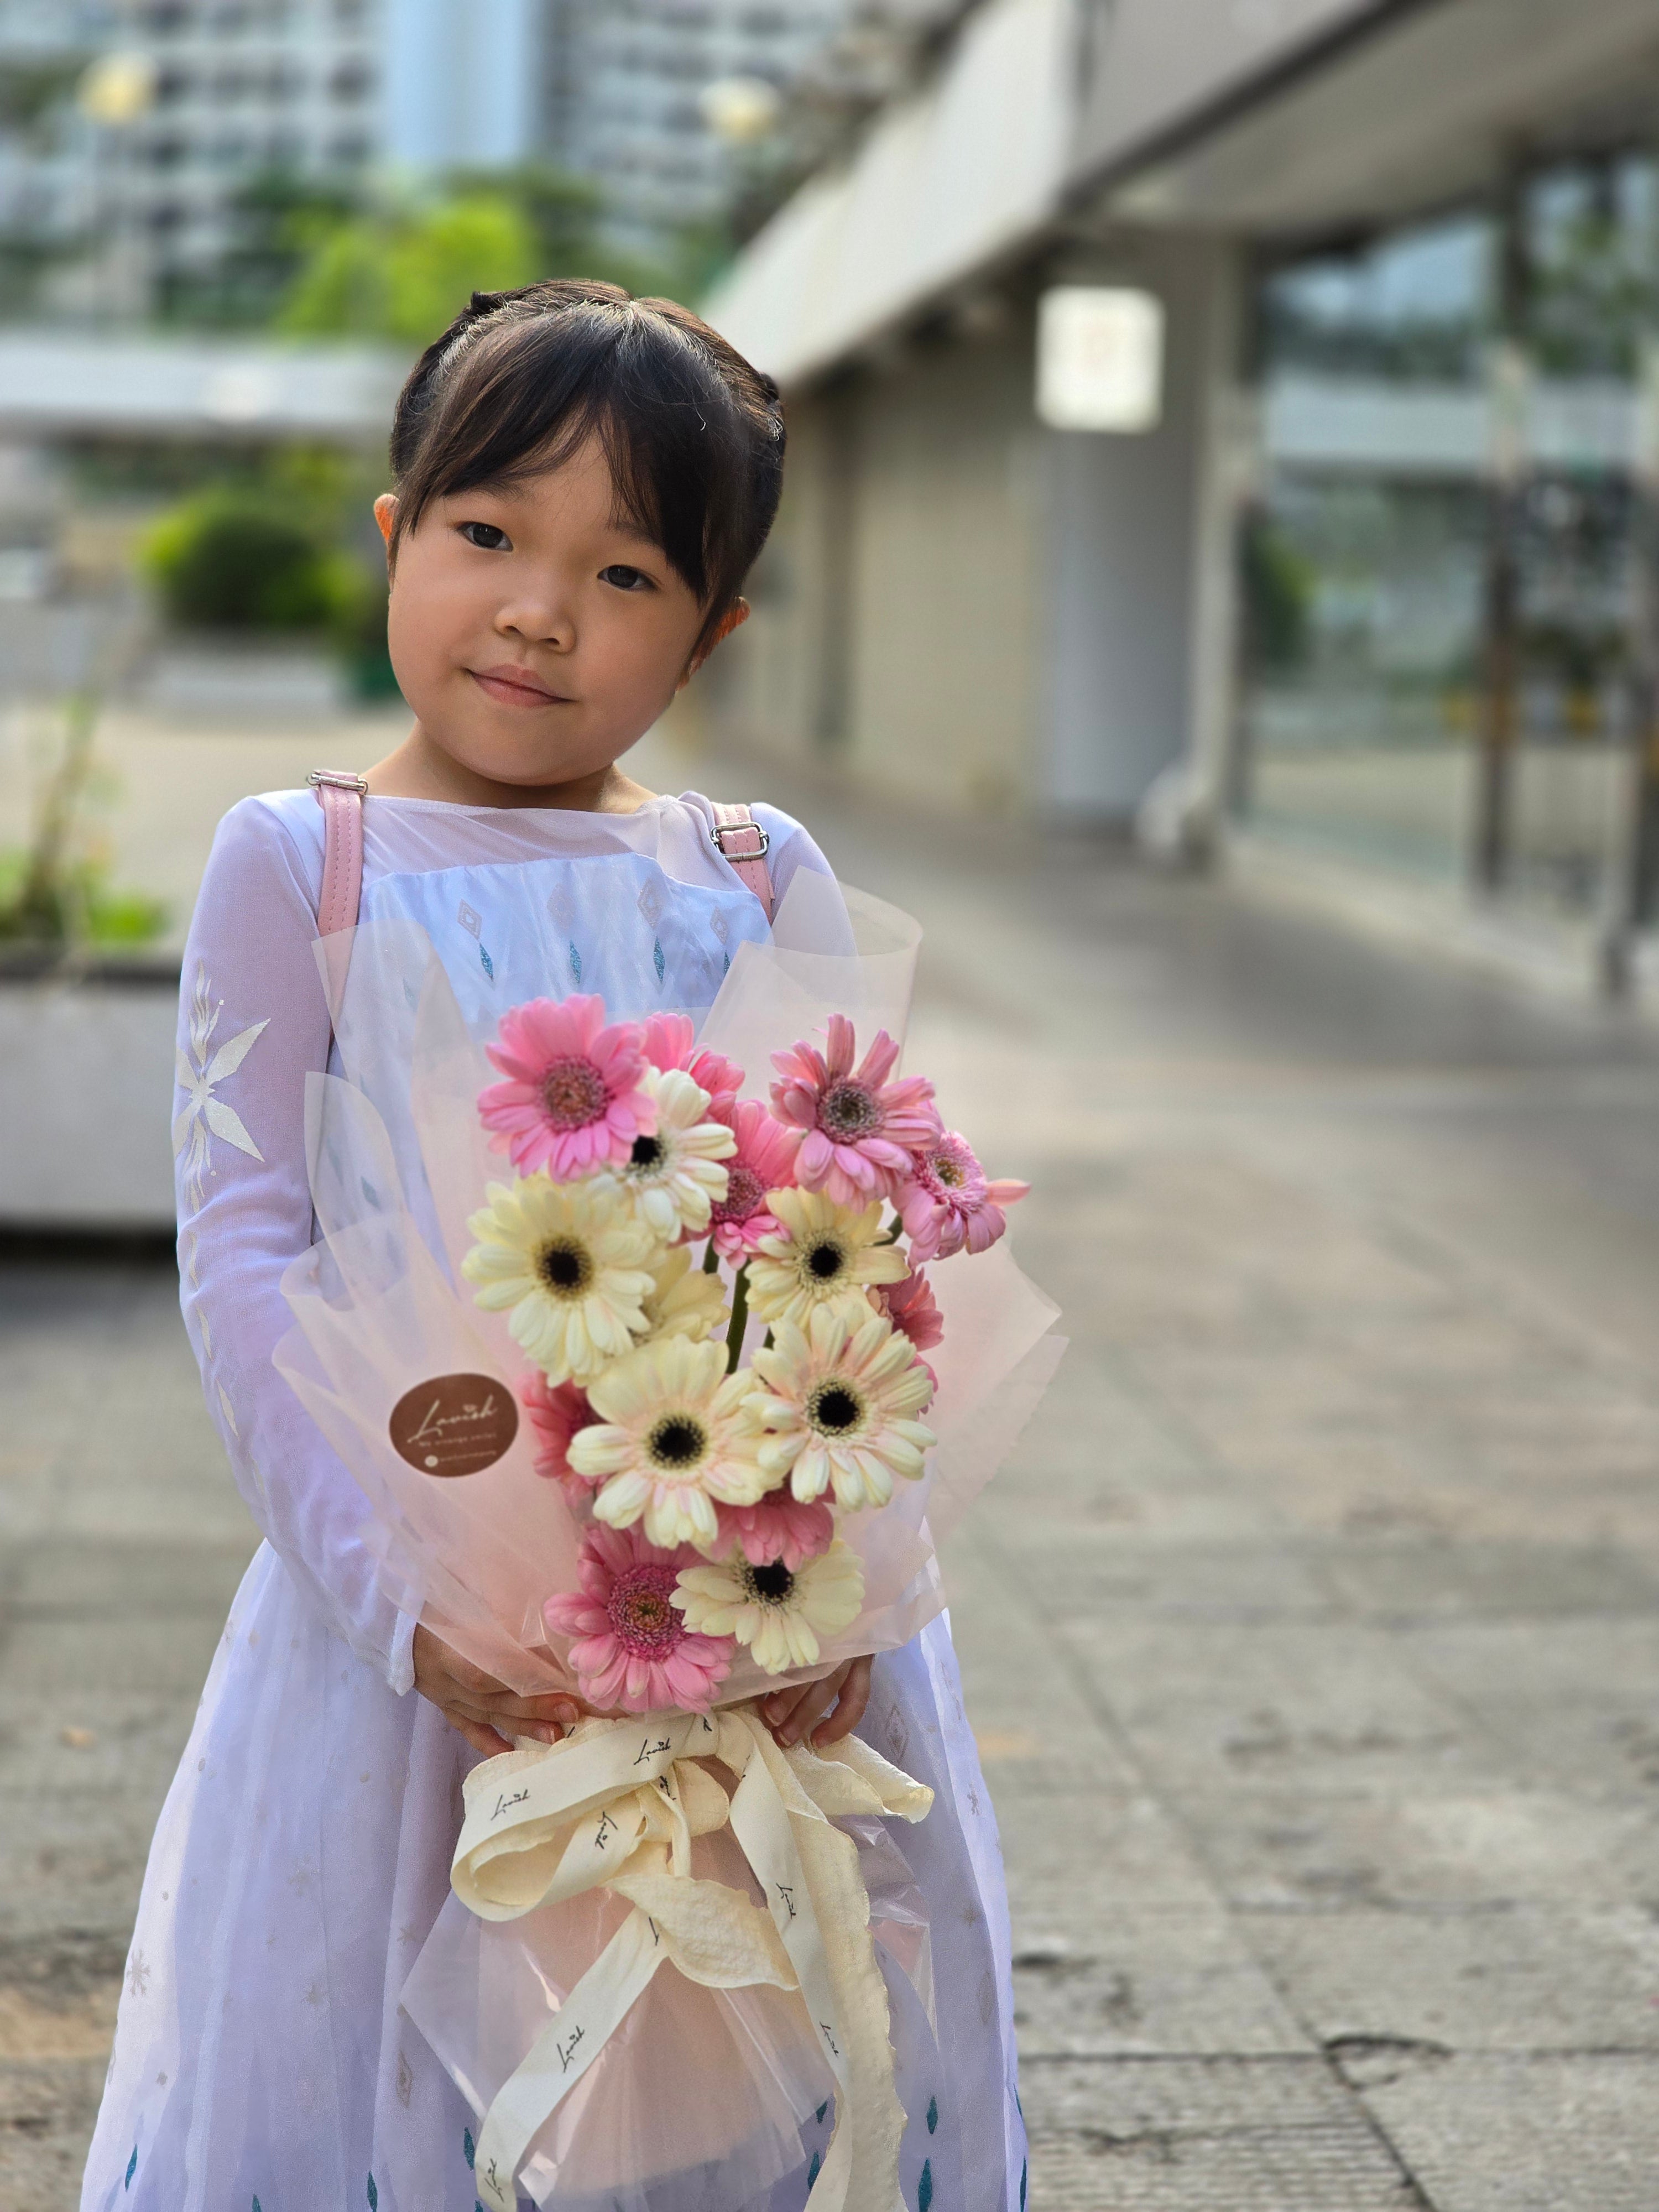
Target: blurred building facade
pixel 655 100
pixel 1372 576
pixel 200 99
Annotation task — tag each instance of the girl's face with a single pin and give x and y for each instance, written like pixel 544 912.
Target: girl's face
pixel 534 633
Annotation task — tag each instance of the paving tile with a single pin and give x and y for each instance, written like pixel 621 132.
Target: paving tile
pixel 1273 1704
pixel 1292 1850
pixel 1554 2134
pixel 1223 2135
pixel 1148 1981
pixel 1528 1977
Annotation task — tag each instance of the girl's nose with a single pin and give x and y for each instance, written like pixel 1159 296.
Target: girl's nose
pixel 542 616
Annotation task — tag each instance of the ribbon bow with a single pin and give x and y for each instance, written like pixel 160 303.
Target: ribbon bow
pixel 616 1803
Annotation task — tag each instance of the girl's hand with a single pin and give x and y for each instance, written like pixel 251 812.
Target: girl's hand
pixel 798 1715
pixel 479 1707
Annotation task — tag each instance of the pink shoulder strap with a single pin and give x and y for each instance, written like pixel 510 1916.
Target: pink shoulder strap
pixel 340 795
pixel 743 842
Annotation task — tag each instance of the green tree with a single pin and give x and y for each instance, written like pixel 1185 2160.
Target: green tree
pixel 404 274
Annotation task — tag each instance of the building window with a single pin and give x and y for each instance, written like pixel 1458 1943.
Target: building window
pixel 351 82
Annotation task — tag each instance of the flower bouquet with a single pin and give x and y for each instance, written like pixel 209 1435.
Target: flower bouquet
pixel 662 1369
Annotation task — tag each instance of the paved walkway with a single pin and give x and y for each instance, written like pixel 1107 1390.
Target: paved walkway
pixel 1312 1637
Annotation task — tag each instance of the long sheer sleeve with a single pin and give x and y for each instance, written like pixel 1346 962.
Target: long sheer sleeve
pixel 251 1023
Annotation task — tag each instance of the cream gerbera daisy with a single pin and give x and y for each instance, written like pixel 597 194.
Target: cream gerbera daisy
pixel 672 1436
pixel 842 1400
pixel 779 1611
pixel 673 1178
pixel 684 1301
pixel 570 1262
pixel 825 1255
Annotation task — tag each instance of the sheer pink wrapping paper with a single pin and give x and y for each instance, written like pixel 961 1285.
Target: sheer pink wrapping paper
pixel 379 1307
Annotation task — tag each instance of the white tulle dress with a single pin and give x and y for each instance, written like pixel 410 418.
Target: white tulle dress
pixel 261 2062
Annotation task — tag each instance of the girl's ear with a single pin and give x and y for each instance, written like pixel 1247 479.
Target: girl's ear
pixel 734 617
pixel 385 513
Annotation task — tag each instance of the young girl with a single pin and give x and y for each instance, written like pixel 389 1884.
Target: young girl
pixel 582 482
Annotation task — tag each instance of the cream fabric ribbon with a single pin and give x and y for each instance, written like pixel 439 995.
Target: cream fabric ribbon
pixel 616 1803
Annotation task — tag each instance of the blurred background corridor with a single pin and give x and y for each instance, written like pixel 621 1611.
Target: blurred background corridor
pixel 1217 591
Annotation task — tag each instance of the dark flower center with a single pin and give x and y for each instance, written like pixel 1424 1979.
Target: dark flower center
pixel 834 1411
pixel 771 1583
pixel 639 1610
pixel 848 1110
pixel 647 1152
pixel 573 1092
pixel 565 1267
pixel 745 1193
pixel 825 1261
pixel 949 1171
pixel 677 1441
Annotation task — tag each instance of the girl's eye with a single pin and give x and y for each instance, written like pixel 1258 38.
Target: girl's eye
pixel 486 536
pixel 624 578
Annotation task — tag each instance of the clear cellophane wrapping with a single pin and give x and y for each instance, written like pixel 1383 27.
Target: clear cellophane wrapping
pixel 398 1161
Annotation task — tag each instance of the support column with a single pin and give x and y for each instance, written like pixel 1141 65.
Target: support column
pixel 1633 899
pixel 1509 375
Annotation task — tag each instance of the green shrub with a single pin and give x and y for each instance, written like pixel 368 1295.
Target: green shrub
pixel 228 560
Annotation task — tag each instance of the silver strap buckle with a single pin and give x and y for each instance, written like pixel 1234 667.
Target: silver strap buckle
pixel 725 829
pixel 338 779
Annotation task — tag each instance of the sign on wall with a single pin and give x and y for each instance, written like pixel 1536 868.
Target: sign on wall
pixel 1100 358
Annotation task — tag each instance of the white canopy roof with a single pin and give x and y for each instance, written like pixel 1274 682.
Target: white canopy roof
pixel 944 183
pixel 58 384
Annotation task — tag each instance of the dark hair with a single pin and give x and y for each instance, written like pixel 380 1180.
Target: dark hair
pixel 693 434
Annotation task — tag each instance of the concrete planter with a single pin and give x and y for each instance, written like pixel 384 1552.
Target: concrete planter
pixel 86 1094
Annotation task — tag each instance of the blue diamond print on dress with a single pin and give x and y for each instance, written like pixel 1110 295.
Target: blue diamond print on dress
pixel 823 2109
pixel 726 962
pixel 657 959
pixel 374 2196
pixel 486 963
pixel 925 2186
pixel 813 2170
pixel 468 2151
pixel 576 966
pixel 933 2115
pixel 256 2205
pixel 132 2167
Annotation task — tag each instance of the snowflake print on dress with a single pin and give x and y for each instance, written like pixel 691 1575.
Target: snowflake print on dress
pixel 199 1076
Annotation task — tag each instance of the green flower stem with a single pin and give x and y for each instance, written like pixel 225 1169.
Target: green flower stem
pixel 711 1258
pixel 739 1320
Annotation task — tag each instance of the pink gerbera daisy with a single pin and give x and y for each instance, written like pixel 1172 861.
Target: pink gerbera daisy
pixel 555 1415
pixel 950 1203
pixel 571 1100
pixel 913 1309
pixel 764 1161
pixel 633 1650
pixel 778 1526
pixel 861 1130
pixel 670 1044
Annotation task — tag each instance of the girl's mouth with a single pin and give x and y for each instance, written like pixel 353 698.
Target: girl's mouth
pixel 512 686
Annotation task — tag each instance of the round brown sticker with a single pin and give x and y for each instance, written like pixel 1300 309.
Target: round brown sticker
pixel 455 1423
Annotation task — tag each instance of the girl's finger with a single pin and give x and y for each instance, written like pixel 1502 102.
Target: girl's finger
pixel 478 1733
pixel 816 1700
pixel 776 1709
pixel 559 1711
pixel 854 1697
